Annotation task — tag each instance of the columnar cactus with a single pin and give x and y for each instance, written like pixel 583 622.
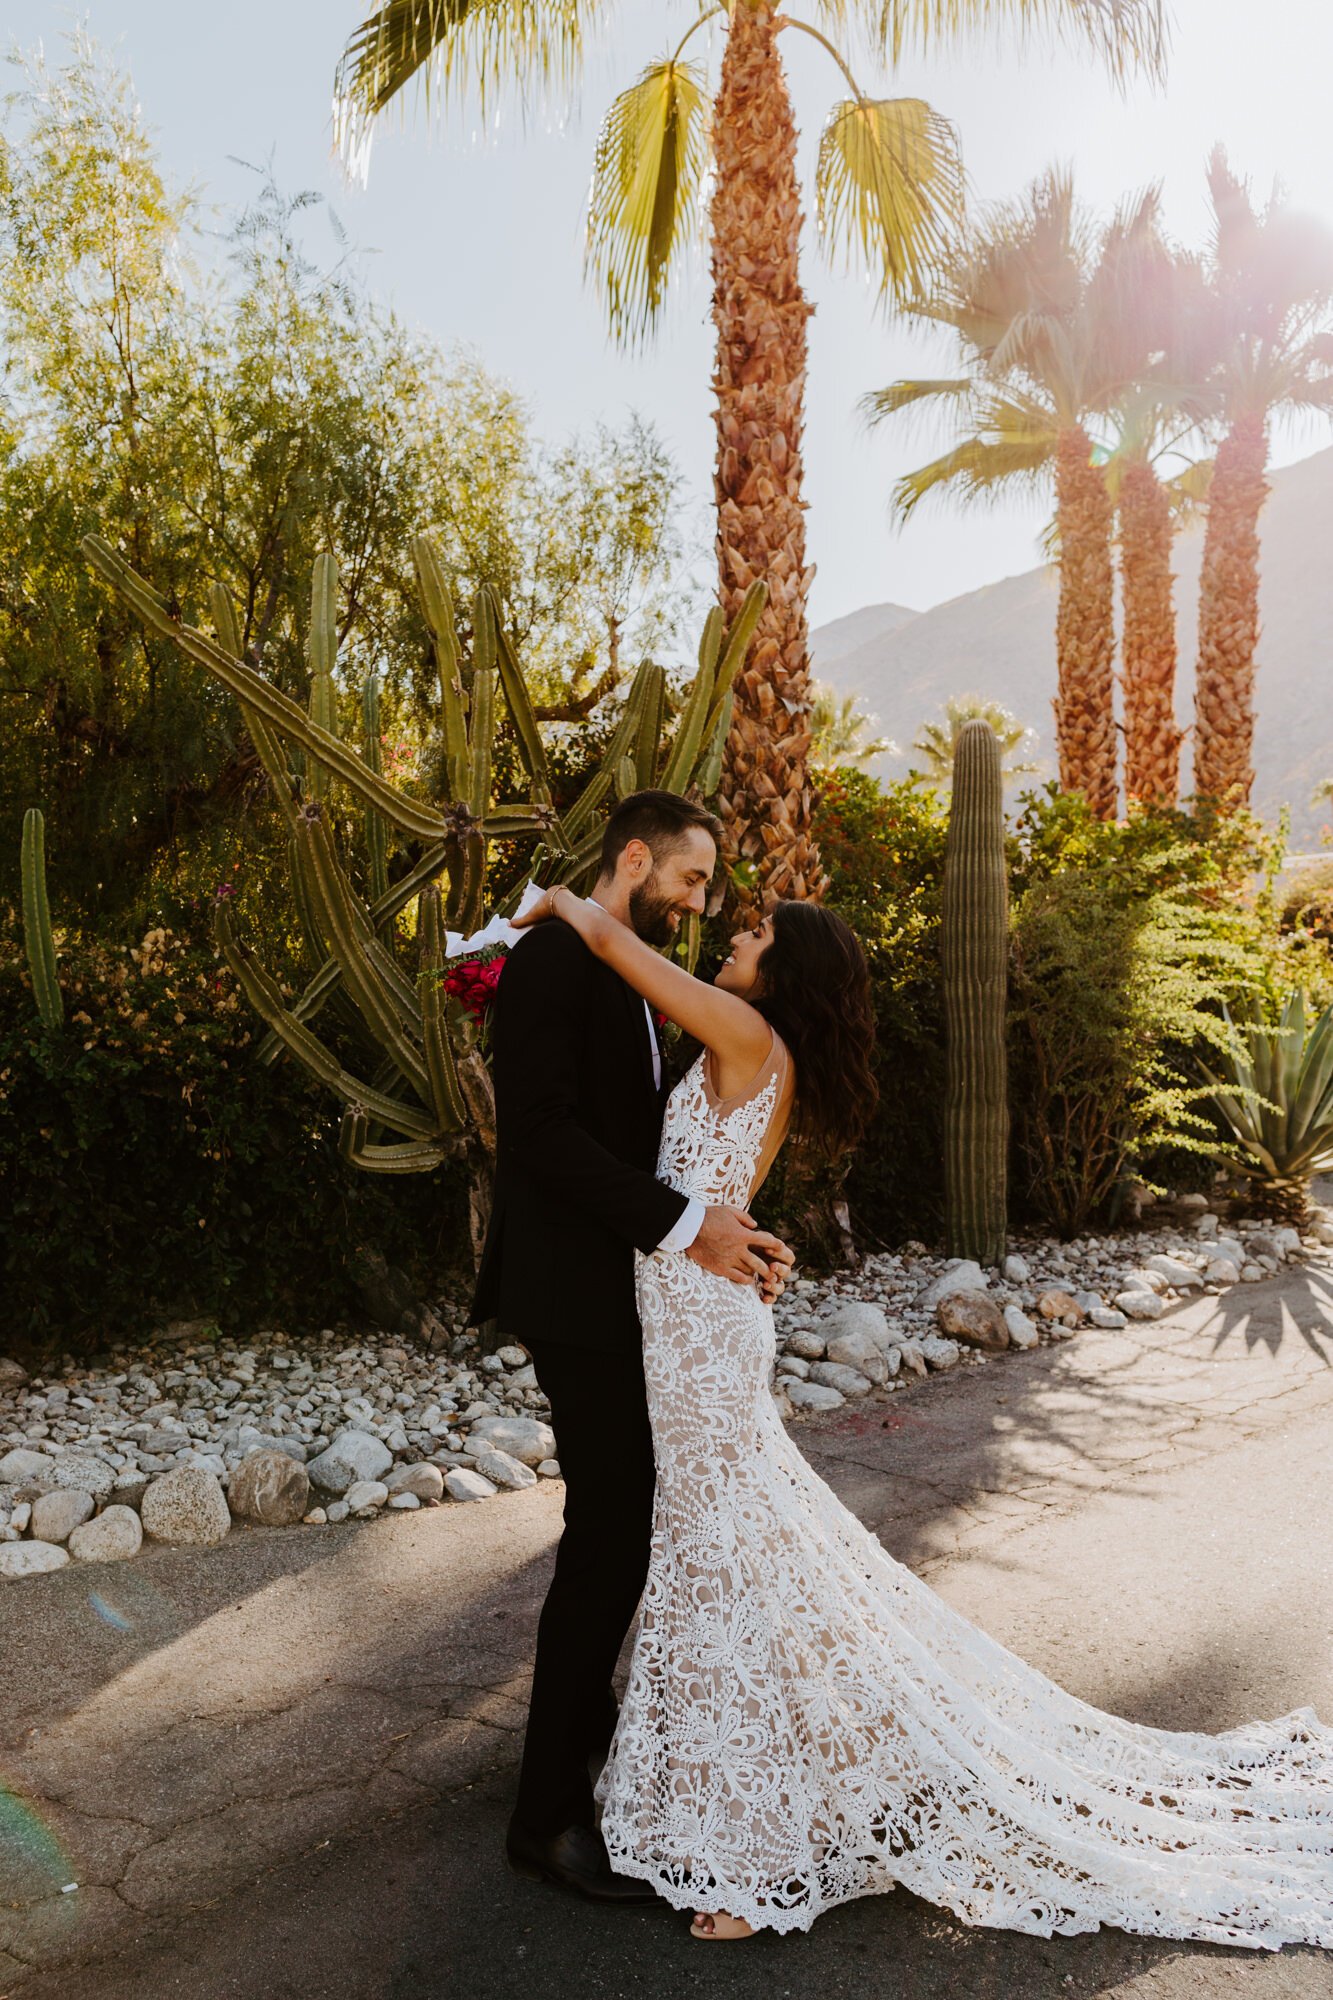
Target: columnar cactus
pixel 37 934
pixel 975 953
pixel 428 1095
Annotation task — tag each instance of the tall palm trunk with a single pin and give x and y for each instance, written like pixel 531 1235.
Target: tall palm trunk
pixel 1148 642
pixel 760 313
pixel 1229 617
pixel 1084 626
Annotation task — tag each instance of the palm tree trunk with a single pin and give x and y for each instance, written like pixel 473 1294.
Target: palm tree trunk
pixel 1084 626
pixel 1229 618
pixel 760 312
pixel 1152 739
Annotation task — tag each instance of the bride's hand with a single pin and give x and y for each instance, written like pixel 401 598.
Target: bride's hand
pixel 537 913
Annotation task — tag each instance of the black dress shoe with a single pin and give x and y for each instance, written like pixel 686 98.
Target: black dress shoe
pixel 575 1859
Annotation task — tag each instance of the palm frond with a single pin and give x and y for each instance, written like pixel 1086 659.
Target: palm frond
pixel 878 404
pixel 652 154
pixel 447 45
pixel 889 188
pixel 976 471
pixel 1129 35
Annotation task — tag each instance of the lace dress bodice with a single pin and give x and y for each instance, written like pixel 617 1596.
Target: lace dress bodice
pixel 807 1722
pixel 717 1149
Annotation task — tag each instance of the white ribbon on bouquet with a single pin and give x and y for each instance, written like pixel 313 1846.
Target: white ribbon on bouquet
pixel 498 931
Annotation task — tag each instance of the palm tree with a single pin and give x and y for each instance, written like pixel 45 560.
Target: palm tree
pixel 1045 352
pixel 1271 296
pixel 938 740
pixel 888 189
pixel 840 729
pixel 1156 295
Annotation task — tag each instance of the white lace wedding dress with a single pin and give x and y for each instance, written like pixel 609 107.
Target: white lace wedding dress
pixel 807 1722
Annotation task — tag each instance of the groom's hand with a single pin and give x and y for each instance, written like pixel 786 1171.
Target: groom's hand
pixel 731 1246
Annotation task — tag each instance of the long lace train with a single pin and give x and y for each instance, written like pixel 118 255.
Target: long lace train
pixel 807 1722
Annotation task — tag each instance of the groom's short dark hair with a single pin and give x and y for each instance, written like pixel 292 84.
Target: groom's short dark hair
pixel 660 820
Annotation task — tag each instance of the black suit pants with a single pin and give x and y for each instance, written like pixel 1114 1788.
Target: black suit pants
pixel 599 1412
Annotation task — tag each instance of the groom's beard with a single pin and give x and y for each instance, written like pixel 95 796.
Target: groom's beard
pixel 651 913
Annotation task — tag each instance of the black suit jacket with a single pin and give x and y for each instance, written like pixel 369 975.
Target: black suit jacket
pixel 579 1121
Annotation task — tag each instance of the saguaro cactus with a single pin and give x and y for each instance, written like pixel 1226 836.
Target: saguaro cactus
pixel 975 951
pixel 37 934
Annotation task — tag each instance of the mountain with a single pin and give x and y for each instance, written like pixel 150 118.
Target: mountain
pixel 999 642
pixel 844 636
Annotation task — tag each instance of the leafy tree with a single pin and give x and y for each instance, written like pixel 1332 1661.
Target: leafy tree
pixel 226 420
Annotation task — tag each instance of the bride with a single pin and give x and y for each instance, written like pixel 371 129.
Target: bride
pixel 805 1721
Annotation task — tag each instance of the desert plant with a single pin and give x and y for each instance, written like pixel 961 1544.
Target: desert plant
pixel 430 1088
pixel 37 933
pixel 975 951
pixel 1274 1093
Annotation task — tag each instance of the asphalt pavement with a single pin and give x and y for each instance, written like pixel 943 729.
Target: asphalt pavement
pixel 283 1767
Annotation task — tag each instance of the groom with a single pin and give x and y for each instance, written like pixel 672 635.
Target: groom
pixel 579 1101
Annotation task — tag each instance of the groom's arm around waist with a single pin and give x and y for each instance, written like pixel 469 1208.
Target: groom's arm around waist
pixel 542 1016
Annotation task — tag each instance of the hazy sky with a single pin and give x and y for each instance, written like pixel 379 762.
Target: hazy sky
pixel 479 240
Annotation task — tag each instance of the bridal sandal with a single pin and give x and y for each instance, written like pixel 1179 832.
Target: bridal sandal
pixel 722 1929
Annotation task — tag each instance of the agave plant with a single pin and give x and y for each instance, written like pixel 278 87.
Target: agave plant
pixel 427 1096
pixel 1277 1100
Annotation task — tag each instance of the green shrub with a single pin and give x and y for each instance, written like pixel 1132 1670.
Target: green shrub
pixel 1127 942
pixel 150 1167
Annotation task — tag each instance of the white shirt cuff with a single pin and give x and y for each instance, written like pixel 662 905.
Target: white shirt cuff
pixel 688 1227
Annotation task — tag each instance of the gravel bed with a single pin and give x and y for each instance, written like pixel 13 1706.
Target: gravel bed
pixel 183 1437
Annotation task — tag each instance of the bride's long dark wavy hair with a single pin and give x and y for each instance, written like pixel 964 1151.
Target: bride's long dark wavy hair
pixel 814 988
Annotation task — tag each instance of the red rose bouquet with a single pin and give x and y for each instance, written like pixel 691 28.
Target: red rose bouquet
pixel 473 981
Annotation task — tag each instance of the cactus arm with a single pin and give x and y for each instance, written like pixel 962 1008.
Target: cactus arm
pixel 471 884
pixel 377 832
pixel 252 690
pixel 414 1157
pixel 268 746
pixel 328 978
pixel 710 642
pixel 689 733
pixel 323 653
pixel 622 742
pixel 710 768
pixel 519 703
pixel 650 730
pixel 446 1095
pixel 575 866
pixel 375 1001
pixel 264 996
pixel 738 645
pixel 481 721
pixel 481 743
pixel 38 937
pixel 438 608
pixel 975 970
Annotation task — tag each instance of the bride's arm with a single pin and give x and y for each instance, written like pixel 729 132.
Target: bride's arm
pixel 723 1022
